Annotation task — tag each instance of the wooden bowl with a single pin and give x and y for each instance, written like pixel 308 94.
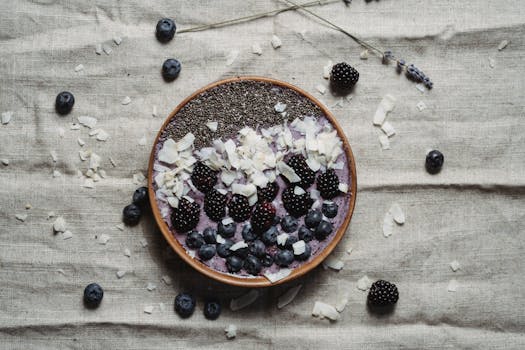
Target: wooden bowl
pixel 254 281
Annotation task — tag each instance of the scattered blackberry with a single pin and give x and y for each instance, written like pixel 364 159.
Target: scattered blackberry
pixel 239 208
pixel 434 161
pixel 383 293
pixel 307 175
pixel 186 216
pixel 184 305
pixel 203 177
pixel 64 102
pixel 93 294
pixel 328 184
pixel 215 205
pixel 262 217
pixel 268 193
pixel 171 69
pixel 343 76
pixel 296 205
pixel 165 30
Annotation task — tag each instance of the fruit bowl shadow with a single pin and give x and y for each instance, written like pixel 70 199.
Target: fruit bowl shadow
pixel 260 281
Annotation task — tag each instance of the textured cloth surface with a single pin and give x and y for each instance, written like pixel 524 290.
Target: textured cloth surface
pixel 472 212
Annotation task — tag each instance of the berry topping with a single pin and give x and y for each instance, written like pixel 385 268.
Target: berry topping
pixel 239 208
pixel 234 263
pixel 210 235
pixel 383 293
pixel 93 294
pixel 207 251
pixel 268 193
pixel 307 175
pixel 289 242
pixel 228 230
pixel 131 214
pixel 262 217
pixel 276 220
pixel 267 260
pixel 194 240
pixel 165 30
pixel 306 234
pixel 434 161
pixel 223 249
pixel 184 305
pixel 252 265
pixel 242 252
pixel 289 224
pixel 328 184
pixel 257 248
pixel 306 254
pixel 313 218
pixel 330 209
pixel 269 237
pixel 186 216
pixel 215 205
pixel 203 177
pixel 343 76
pixel 212 309
pixel 323 230
pixel 64 102
pixel 247 233
pixel 284 258
pixel 140 197
pixel 171 69
pixel 296 205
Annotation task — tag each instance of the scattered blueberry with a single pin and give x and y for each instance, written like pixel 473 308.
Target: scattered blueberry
pixel 210 235
pixel 194 240
pixel 289 224
pixel 93 295
pixel 184 305
pixel 257 248
pixel 330 209
pixel 434 161
pixel 242 252
pixel 165 30
pixel 171 69
pixel 269 237
pixel 267 260
pixel 64 102
pixel 247 233
pixel 284 258
pixel 226 231
pixel 313 218
pixel 276 220
pixel 305 234
pixel 234 263
pixel 131 214
pixel 290 241
pixel 306 254
pixel 223 249
pixel 252 265
pixel 323 230
pixel 207 251
pixel 212 309
pixel 140 197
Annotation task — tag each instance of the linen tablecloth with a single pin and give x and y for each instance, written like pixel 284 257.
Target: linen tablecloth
pixel 472 212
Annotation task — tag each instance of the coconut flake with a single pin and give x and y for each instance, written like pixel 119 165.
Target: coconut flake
pixel 327 69
pixel 87 121
pixel 231 331
pixel 117 40
pixel 288 172
pixel 492 62
pixel 343 187
pixel 103 238
pixel 452 285
pixel 323 310
pixel 186 142
pixel 342 301
pixel 299 247
pixel 385 106
pixel 166 279
pixel 281 239
pixel 151 286
pixel 288 296
pixel 106 49
pixel 56 173
pixel 364 54
pixel 276 42
pixel 454 265
pixel 244 300
pixel 94 161
pixel 120 274
pixel 277 276
pixel 256 49
pixel 313 164
pixel 88 183
pixel 280 107
pixel 397 213
pixel 143 243
pixel 168 153
pixel 421 88
pixel 61 132
pixel 148 309
pixel 227 221
pixel 231 57
pixel 503 44
pixel 67 235
pixel 54 156
pixel 320 88
pixel 298 191
pixel 6 117
pixel 388 129
pixel 388 224
pixel 98 49
pixel 384 141
pixel 5 161
pixel 220 240
pixel 102 135
pixel 142 141
pixel 421 106
pixel 79 68
pixel 126 100
pixel 59 225
pixel 21 217
pixel 81 142
pixel 212 126
pixel 127 252
pixel 238 245
pixel 333 263
pixel 364 283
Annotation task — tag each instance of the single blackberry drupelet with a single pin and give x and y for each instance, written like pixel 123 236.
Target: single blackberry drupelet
pixel 186 216
pixel 203 177
pixel 215 205
pixel 343 76
pixel 296 205
pixel 307 175
pixel 383 293
pixel 268 193
pixel 262 217
pixel 328 184
pixel 239 208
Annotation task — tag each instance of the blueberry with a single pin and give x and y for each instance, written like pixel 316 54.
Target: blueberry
pixel 323 230
pixel 93 295
pixel 313 218
pixel 284 258
pixel 289 224
pixel 330 209
pixel 140 197
pixel 257 248
pixel 242 252
pixel 276 220
pixel 171 69
pixel 226 231
pixel 267 260
pixel 234 263
pixel 64 102
pixel 434 161
pixel 290 241
pixel 223 249
pixel 184 305
pixel 210 235
pixel 194 240
pixel 305 234
pixel 306 254
pixel 269 237
pixel 212 309
pixel 165 30
pixel 131 214
pixel 207 251
pixel 252 265
pixel 247 233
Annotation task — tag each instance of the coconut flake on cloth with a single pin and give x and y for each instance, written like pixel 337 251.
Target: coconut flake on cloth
pixel 386 105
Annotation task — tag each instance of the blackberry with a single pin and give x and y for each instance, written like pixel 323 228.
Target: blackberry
pixel 239 208
pixel 307 175
pixel 268 193
pixel 343 76
pixel 383 293
pixel 262 217
pixel 185 305
pixel 328 184
pixel 434 161
pixel 296 205
pixel 186 216
pixel 215 205
pixel 203 177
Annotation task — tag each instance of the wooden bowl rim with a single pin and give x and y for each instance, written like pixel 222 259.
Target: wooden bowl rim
pixel 254 281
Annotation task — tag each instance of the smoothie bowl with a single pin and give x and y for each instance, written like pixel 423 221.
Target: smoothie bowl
pixel 252 181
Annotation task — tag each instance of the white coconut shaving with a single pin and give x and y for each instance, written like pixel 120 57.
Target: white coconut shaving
pixel 81 142
pixel 323 310
pixel 148 309
pixel 238 245
pixel 59 225
pixel 120 274
pixel 151 286
pixel 364 54
pixel 327 69
pixel 126 100
pixel 503 44
pixel 364 283
pixel 320 88
pixel 5 161
pixel 281 239
pixel 67 235
pixel 384 141
pixel 343 187
pixel 244 300
pixel 276 42
pixel 277 276
pixel 127 252
pixel 288 296
pixel 388 129
pixel 98 49
pixel 6 117
pixel 102 135
pixel 87 121
pixel 388 224
pixel 452 285
pixel 333 263
pixel 454 265
pixel 54 156
pixel 421 87
pixel 88 183
pixel 166 279
pixel 342 301
pixel 106 49
pixel 143 141
pixel 212 126
pixel 230 331
pixel 256 49
pixel 21 217
pixel 299 247
pixel 421 106
pixel 103 239
pixel 397 213
pixel 386 105
pixel 79 68
pixel 231 57
pixel 492 62
pixel 117 40
pixel 280 107
pixel 56 173
pixel 154 112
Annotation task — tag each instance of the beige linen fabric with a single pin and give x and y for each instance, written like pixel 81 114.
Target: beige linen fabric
pixel 472 212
